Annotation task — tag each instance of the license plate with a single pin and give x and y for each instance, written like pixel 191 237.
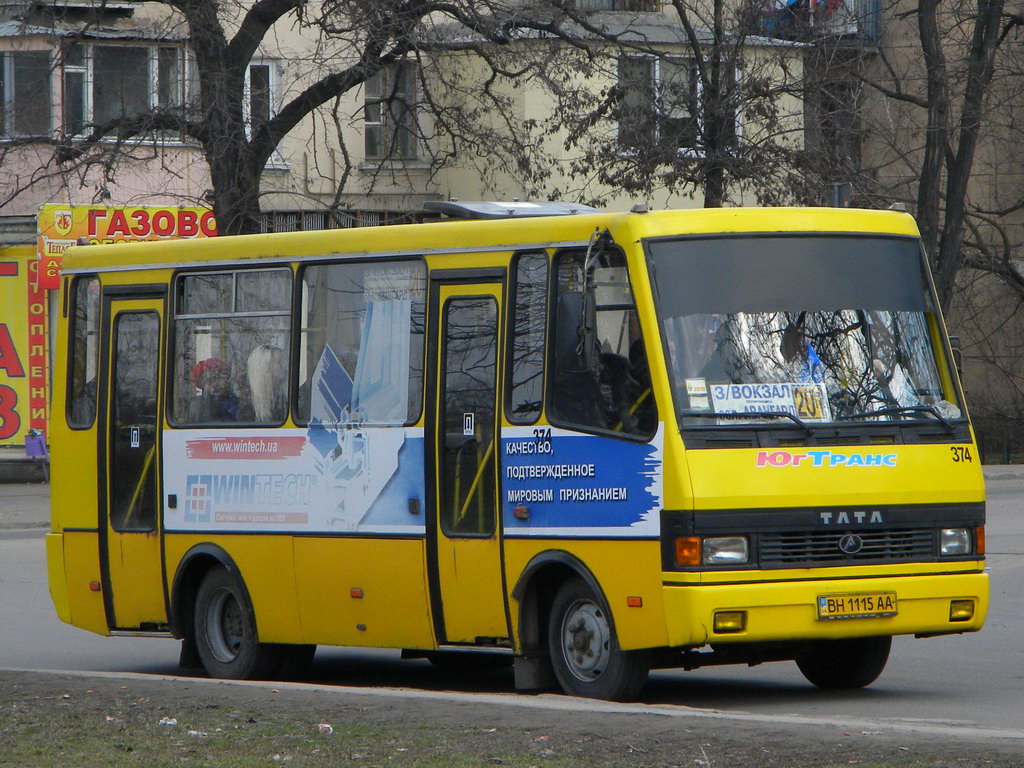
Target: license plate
pixel 862 605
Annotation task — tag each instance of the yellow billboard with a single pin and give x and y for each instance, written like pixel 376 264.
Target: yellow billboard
pixel 23 357
pixel 61 226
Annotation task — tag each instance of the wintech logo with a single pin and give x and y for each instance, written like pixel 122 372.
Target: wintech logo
pixel 824 458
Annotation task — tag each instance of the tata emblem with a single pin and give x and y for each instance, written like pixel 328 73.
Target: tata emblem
pixel 850 543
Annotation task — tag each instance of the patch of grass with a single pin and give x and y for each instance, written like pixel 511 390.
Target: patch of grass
pixel 93 728
pixel 49 721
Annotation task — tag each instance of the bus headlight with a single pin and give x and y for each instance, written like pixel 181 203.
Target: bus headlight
pixel 954 541
pixel 726 550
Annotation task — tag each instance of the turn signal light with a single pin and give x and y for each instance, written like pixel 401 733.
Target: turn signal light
pixel 687 551
pixel 979 540
pixel 961 610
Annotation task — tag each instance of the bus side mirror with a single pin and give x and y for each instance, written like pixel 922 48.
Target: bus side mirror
pixel 576 336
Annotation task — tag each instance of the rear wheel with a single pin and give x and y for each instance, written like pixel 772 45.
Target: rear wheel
pixel 585 652
pixel 225 631
pixel 843 664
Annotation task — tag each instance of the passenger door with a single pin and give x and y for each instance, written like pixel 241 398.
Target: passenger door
pixel 464 529
pixel 133 582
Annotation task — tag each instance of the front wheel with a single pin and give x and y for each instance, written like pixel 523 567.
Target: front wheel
pixel 225 631
pixel 844 664
pixel 585 653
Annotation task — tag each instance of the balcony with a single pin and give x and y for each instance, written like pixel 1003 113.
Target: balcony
pixel 807 20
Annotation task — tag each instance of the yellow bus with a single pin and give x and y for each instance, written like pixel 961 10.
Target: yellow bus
pixel 592 443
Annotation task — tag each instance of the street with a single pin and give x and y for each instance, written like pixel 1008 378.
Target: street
pixel 973 681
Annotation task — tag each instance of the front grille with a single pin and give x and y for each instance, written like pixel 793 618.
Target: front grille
pixel 807 548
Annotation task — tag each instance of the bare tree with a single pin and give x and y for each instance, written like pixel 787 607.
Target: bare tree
pixel 351 41
pixel 685 138
pixel 938 108
pixel 927 99
pixel 695 102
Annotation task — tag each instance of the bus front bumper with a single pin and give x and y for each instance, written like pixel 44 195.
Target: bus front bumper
pixel 789 610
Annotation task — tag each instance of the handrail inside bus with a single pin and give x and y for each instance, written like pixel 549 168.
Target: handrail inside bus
pixel 475 483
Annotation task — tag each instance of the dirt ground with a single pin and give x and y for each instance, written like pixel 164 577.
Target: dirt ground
pixel 63 720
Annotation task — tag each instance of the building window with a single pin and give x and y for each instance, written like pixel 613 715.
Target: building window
pixel 25 93
pixel 259 96
pixel 637 116
pixel 661 102
pixel 617 5
pixel 120 77
pixel 390 114
pixel 107 82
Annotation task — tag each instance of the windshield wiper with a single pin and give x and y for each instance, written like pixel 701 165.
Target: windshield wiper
pixel 758 415
pixel 931 410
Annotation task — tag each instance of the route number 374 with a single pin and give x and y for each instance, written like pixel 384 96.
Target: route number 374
pixel 960 453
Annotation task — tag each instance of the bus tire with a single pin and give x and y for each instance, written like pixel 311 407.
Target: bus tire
pixel 845 664
pixel 225 631
pixel 585 652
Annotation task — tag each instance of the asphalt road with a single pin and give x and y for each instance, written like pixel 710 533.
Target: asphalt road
pixel 967 683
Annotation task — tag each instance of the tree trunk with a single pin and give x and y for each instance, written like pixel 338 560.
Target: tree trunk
pixel 236 181
pixel 936 132
pixel 949 256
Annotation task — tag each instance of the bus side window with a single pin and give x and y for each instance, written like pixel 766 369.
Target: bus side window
pixel 84 352
pixel 600 377
pixel 231 340
pixel 528 325
pixel 361 346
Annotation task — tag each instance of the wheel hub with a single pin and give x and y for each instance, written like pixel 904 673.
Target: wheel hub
pixel 226 629
pixel 586 640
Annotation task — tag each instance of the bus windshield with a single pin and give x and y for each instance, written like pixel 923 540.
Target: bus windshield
pixel 805 329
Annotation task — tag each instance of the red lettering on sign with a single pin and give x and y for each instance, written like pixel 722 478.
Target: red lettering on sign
pixel 95 214
pixel 49 272
pixel 188 224
pixel 208 224
pixel 9 360
pixel 163 223
pixel 38 363
pixel 10 421
pixel 118 224
pixel 141 228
